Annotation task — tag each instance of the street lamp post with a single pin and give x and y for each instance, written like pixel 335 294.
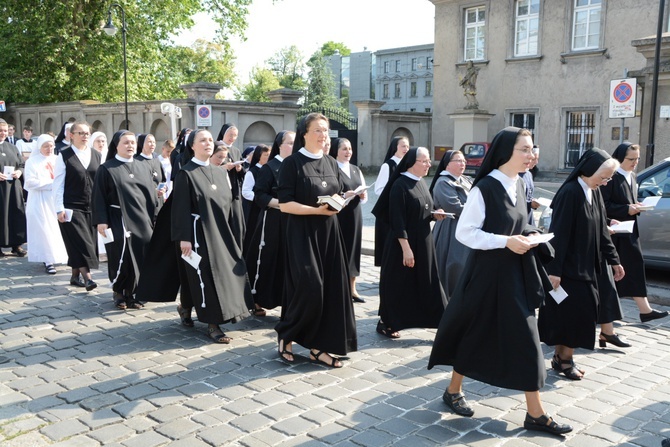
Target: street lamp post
pixel 654 86
pixel 110 29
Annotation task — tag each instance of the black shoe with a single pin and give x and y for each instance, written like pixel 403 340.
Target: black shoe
pixel 77 281
pixel 665 442
pixel 357 299
pixel 90 285
pixel 18 251
pixel 653 315
pixel 458 404
pixel 542 424
pixel 613 339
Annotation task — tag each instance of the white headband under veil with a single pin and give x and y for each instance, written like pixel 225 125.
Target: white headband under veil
pixel 92 140
pixel 40 142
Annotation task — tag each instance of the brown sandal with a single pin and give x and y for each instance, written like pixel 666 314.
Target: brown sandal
pixel 216 334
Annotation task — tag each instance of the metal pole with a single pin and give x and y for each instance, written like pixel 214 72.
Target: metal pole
pixel 623 120
pixel 654 85
pixel 125 65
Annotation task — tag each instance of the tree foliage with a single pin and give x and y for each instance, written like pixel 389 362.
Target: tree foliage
pixel 329 48
pixel 321 85
pixel 55 50
pixel 262 80
pixel 289 68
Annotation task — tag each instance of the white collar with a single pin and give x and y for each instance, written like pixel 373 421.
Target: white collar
pixel 148 157
pixel 396 159
pixel 628 175
pixel 279 157
pixel 307 153
pixel 124 160
pixel 200 162
pixel 587 191
pixel 343 165
pixel 410 175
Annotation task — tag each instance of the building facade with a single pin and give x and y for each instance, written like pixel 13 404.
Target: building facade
pixel 403 78
pixel 544 65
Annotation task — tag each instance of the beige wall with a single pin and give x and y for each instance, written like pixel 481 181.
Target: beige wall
pixel 550 84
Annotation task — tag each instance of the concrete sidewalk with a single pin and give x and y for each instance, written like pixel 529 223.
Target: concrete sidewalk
pixel 81 373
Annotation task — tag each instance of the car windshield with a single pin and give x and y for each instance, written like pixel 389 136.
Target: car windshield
pixel 473 150
pixel 657 184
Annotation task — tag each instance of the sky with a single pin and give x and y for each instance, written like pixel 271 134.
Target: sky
pixel 308 24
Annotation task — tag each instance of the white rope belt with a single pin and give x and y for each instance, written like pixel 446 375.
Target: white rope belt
pixel 260 251
pixel 196 217
pixel 126 235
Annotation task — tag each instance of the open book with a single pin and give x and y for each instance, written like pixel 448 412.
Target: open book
pixel 649 203
pixel 335 202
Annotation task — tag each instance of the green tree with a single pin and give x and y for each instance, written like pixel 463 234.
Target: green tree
pixel 321 85
pixel 329 48
pixel 262 80
pixel 54 50
pixel 289 68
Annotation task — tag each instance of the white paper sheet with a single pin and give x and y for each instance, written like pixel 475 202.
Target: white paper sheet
pixel 108 237
pixel 68 215
pixel 444 213
pixel 558 294
pixel 623 227
pixel 193 259
pixel 542 201
pixel 540 238
pixel 8 171
pixel 649 203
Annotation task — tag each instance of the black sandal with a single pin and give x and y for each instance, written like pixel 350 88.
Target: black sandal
pixel 120 301
pixel 283 352
pixel 546 423
pixel 185 316
pixel 216 334
pixel 387 331
pixel 314 358
pixel 258 312
pixel 132 303
pixel 458 404
pixel 50 269
pixel 571 371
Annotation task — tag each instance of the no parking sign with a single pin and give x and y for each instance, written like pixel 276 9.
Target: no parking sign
pixel 204 116
pixel 622 98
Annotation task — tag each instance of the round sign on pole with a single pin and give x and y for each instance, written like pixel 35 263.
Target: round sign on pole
pixel 622 98
pixel 204 115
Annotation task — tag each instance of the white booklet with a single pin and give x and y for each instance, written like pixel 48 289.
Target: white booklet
pixel 623 227
pixel 8 171
pixel 193 259
pixel 543 201
pixel 649 203
pixel 558 294
pixel 108 238
pixel 68 215
pixel 444 213
pixel 540 238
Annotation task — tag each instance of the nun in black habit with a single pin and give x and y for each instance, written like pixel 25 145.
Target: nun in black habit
pixel 410 293
pixel 620 197
pixel 583 243
pixel 317 312
pixel 62 140
pixel 124 200
pixel 200 211
pixel 488 331
pixel 396 151
pixel 351 216
pixel 265 257
pixel 227 136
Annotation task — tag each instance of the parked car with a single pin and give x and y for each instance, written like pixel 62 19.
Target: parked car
pixel 654 225
pixel 474 155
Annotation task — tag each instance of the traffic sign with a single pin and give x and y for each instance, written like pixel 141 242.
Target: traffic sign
pixel 622 98
pixel 3 108
pixel 204 115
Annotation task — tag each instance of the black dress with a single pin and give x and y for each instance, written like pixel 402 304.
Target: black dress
pixel 617 195
pixel 251 213
pixel 410 297
pixel 488 331
pixel 317 312
pixel 266 252
pixel 124 198
pixel 201 209
pixel 13 209
pixel 237 212
pixel 351 220
pixel 80 235
pixel 382 228
pixel 582 245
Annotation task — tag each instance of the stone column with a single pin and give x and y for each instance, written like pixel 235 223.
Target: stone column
pixel 367 139
pixel 470 126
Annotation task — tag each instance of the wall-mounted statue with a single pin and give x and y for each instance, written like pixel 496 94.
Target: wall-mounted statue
pixel 468 82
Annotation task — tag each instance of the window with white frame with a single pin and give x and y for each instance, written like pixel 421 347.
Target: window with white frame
pixel 414 64
pixel 429 63
pixel 580 129
pixel 387 66
pixel 429 88
pixel 397 66
pixel 523 121
pixel 397 90
pixel 475 33
pixel 385 93
pixel 412 89
pixel 527 20
pixel 586 24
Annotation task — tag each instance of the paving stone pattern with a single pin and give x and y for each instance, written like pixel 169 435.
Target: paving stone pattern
pixel 81 373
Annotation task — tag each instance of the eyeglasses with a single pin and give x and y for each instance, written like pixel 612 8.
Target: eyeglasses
pixel 320 131
pixel 632 159
pixel 82 134
pixel 426 161
pixel 525 151
pixel 605 179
